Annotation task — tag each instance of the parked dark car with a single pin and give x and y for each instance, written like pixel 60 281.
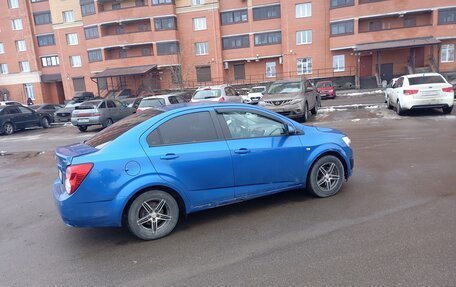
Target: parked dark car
pixel 64 114
pixel 49 109
pixel 18 117
pixel 292 98
pixel 326 89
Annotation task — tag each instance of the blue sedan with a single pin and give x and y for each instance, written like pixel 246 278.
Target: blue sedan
pixel 154 167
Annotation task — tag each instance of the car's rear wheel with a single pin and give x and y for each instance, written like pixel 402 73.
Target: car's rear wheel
pixel 314 111
pixel 8 128
pixel 82 128
pixel 447 110
pixel 107 123
pixel 153 215
pixel 390 106
pixel 399 109
pixel 45 123
pixel 326 177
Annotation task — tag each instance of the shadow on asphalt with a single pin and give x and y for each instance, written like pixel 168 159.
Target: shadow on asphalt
pixel 425 112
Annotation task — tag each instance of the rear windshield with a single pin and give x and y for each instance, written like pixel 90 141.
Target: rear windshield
pixel 207 94
pixel 426 80
pixel 285 88
pixel 147 103
pixel 114 131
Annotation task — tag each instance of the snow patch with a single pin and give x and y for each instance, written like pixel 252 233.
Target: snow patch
pixel 360 93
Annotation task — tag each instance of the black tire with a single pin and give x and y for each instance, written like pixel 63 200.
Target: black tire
pixel 326 177
pixel 107 123
pixel 447 110
pixel 82 128
pixel 399 109
pixel 305 116
pixel 8 128
pixel 145 209
pixel 45 123
pixel 314 111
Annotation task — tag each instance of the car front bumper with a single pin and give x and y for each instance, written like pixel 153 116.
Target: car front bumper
pixel 291 111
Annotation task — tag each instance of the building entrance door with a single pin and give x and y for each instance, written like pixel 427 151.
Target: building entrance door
pixel 386 71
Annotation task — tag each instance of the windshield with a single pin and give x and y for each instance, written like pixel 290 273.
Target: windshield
pixel 257 90
pixel 426 80
pixel 207 94
pixel 285 88
pixel 324 84
pixel 114 131
pixel 147 103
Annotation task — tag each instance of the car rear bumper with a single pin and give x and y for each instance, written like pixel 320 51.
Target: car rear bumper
pixel 83 214
pixel 426 103
pixel 86 121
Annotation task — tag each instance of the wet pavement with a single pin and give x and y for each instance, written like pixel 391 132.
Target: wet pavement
pixel 393 223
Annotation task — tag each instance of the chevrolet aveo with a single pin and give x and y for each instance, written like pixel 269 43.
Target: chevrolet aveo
pixel 152 168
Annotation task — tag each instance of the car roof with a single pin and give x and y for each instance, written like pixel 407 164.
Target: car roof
pixel 421 75
pixel 257 87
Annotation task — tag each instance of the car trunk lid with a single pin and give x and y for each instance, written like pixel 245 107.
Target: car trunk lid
pixel 64 156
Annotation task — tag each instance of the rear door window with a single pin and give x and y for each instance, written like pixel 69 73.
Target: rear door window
pixel 173 100
pixel 24 110
pixel 189 128
pixel 111 104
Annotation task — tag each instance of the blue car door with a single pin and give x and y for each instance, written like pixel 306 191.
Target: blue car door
pixel 265 158
pixel 189 151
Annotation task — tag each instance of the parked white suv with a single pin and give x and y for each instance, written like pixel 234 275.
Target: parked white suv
pixel 421 91
pixel 223 93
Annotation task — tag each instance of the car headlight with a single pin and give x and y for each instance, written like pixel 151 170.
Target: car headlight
pixel 347 140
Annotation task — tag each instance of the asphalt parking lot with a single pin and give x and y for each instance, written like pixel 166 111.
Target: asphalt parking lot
pixel 393 223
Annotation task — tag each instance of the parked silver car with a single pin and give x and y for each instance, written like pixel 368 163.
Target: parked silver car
pixel 222 93
pixel 292 98
pixel 98 112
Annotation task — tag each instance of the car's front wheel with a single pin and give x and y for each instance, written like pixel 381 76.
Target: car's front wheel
pixel 399 109
pixel 305 115
pixel 82 128
pixel 45 123
pixel 326 176
pixel 314 111
pixel 107 123
pixel 153 215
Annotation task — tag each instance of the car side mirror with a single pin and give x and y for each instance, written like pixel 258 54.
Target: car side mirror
pixel 291 130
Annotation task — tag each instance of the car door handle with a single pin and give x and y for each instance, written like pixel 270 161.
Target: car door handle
pixel 169 156
pixel 242 151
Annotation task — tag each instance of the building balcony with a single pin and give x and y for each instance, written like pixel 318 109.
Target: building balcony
pixel 396 21
pixel 127 52
pixel 125 27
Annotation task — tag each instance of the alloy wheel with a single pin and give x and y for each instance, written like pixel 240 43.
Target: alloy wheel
pixel 154 215
pixel 328 176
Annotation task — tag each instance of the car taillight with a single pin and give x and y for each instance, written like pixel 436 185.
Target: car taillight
pixel 447 90
pixel 96 114
pixel 75 175
pixel 410 92
pixel 138 110
pixel 222 99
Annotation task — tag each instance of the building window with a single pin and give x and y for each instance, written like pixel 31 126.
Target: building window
pixel 197 2
pixel 143 27
pixel 16 24
pixel 447 53
pixel 271 71
pixel 239 71
pixel 342 3
pixel 165 23
pixel 342 28
pixel 72 39
pixel 24 66
pixel 167 48
pixel 236 42
pixel 79 84
pixel 2 48
pixel 68 16
pixel 199 24
pixel 339 63
pixel 303 10
pixel 45 40
pixel 42 18
pixel 410 22
pixel 20 46
pixel 304 37
pixel 447 16
pixel 120 30
pixel 123 53
pixel 91 32
pixel 160 2
pixel 116 6
pixel 264 13
pixel 201 48
pixel 88 9
pixel 146 51
pixel 304 66
pixel 94 56
pixel 50 61
pixel 13 4
pixel 233 17
pixel 375 26
pixel 270 38
pixel 3 69
pixel 75 61
pixel 203 74
pixel 29 92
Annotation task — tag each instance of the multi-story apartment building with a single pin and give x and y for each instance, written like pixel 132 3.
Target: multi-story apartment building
pixel 50 49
